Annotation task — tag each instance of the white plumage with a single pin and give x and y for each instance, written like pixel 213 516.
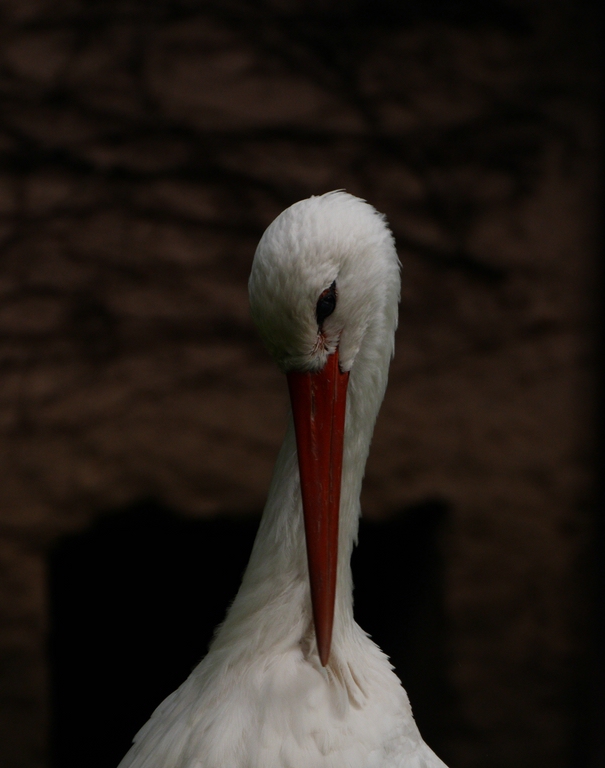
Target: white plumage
pixel 261 698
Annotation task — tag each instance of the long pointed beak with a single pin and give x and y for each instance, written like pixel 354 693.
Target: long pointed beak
pixel 318 406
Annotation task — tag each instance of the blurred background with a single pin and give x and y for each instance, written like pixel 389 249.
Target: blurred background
pixel 144 147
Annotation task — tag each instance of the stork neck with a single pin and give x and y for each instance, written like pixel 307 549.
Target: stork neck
pixel 273 606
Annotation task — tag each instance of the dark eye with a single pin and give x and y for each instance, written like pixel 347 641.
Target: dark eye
pixel 326 304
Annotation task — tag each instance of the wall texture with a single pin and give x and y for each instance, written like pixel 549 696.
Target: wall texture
pixel 145 145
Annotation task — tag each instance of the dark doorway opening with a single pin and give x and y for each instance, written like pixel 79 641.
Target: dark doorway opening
pixel 135 600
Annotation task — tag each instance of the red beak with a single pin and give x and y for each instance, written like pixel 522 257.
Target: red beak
pixel 318 406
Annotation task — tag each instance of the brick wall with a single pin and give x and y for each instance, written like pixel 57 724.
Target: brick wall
pixel 144 147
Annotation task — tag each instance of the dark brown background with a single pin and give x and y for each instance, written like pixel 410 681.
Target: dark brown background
pixel 144 147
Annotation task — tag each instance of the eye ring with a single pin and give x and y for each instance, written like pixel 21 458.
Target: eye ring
pixel 326 304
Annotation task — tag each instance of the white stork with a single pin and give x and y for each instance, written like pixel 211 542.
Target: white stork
pixel 290 680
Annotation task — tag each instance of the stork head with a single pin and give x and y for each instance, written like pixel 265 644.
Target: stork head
pixel 324 272
pixel 324 286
